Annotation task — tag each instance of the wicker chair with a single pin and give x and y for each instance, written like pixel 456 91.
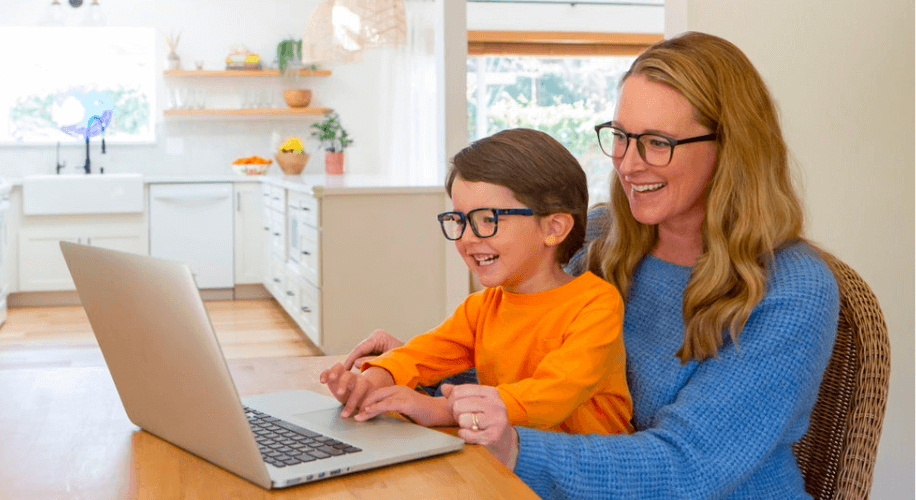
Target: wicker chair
pixel 837 454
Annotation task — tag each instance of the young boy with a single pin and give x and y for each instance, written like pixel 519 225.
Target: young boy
pixel 549 343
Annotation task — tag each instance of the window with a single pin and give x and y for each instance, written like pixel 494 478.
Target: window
pixel 102 72
pixel 560 83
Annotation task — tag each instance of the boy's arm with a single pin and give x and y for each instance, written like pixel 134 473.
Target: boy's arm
pixel 568 376
pixel 428 358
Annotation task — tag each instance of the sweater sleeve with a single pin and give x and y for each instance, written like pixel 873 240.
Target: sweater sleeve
pixel 725 422
pixel 428 358
pixel 593 346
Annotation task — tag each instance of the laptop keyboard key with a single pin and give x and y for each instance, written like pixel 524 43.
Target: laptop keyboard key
pixel 282 443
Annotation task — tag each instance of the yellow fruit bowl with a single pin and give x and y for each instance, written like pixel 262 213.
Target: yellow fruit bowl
pixel 292 163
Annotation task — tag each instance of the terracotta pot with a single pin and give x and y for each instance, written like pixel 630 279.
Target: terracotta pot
pixel 334 163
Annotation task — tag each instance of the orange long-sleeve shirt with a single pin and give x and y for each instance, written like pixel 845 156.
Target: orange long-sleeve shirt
pixel 557 357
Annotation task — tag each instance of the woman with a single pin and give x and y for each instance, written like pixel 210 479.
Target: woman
pixel 730 316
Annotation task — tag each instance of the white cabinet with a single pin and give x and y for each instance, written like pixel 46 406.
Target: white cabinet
pixel 250 236
pixel 193 223
pixel 41 264
pixel 345 263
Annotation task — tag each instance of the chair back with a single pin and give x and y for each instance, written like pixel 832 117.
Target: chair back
pixel 837 454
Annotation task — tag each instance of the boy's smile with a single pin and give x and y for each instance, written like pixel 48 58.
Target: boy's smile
pixel 516 257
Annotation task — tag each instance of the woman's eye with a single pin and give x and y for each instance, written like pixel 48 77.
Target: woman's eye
pixel 657 142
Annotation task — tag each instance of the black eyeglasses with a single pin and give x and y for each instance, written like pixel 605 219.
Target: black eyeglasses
pixel 654 149
pixel 484 221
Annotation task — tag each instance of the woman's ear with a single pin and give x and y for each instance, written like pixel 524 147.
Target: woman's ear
pixel 556 227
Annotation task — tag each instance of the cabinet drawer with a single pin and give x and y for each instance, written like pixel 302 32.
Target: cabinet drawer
pixel 310 261
pixel 309 311
pixel 278 235
pixel 278 198
pixel 277 279
pixel 309 207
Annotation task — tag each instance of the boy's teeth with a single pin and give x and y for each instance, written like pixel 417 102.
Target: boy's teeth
pixel 648 187
pixel 486 260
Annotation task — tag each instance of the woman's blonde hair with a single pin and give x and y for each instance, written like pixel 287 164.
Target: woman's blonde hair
pixel 752 208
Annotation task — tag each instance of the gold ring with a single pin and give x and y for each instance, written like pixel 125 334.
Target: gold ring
pixel 474 423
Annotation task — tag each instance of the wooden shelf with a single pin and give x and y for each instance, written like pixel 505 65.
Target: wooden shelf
pixel 245 72
pixel 249 112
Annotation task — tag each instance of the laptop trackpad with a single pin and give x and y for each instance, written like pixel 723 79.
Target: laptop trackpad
pixel 332 421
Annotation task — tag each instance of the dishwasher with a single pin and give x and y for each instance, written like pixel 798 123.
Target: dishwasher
pixel 193 223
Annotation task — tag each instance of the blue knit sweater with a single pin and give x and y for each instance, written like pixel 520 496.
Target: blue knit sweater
pixel 721 428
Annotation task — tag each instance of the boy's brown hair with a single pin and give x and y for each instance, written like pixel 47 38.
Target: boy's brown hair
pixel 541 173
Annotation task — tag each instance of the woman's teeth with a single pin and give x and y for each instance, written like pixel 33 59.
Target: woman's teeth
pixel 647 187
pixel 486 261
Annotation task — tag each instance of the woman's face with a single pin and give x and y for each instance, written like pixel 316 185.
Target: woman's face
pixel 672 196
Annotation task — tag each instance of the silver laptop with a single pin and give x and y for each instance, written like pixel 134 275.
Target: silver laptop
pixel 170 373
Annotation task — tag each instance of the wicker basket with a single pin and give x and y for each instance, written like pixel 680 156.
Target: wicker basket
pixel 297 98
pixel 292 163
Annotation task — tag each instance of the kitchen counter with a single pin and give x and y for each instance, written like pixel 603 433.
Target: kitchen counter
pixel 313 184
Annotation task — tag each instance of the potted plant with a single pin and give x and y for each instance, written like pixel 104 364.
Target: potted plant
pixel 333 139
pixel 289 62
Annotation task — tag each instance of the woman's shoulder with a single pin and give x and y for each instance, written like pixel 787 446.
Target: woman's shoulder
pixel 800 265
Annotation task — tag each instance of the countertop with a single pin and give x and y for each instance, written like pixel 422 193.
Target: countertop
pixel 313 184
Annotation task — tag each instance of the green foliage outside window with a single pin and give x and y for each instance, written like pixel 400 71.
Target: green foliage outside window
pixel 565 98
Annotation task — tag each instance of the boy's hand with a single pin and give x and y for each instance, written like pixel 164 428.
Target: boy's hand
pixel 350 388
pixel 379 342
pixel 420 408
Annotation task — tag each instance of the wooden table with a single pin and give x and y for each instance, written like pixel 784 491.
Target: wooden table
pixel 64 434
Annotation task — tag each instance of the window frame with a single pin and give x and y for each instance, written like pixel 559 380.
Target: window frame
pixel 558 43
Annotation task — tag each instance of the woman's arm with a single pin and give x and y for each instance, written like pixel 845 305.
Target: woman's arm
pixel 734 419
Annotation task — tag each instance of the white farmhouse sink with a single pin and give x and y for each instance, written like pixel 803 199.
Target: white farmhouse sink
pixel 82 194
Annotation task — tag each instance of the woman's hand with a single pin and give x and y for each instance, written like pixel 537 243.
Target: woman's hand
pixel 379 342
pixel 420 408
pixel 483 419
pixel 352 389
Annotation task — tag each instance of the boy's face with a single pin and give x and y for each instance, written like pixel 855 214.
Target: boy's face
pixel 516 257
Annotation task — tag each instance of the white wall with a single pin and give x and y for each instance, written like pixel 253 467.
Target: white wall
pixel 842 73
pixel 565 17
pixel 207 145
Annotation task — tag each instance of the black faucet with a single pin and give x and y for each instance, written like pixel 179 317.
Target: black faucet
pixel 59 164
pixel 88 127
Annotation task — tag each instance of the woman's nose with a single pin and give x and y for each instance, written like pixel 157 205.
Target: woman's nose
pixel 632 161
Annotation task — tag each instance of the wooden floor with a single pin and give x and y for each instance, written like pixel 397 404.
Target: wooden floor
pixel 35 337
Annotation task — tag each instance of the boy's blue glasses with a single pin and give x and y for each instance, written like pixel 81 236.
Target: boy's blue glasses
pixel 484 221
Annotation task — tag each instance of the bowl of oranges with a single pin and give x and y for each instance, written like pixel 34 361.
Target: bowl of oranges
pixel 291 157
pixel 252 165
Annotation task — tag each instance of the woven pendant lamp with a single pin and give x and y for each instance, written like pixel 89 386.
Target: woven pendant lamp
pixel 339 31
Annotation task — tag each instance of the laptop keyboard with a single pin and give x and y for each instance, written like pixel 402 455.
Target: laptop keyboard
pixel 283 444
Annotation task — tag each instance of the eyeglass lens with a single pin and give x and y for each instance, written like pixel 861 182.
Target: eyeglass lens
pixel 654 149
pixel 483 223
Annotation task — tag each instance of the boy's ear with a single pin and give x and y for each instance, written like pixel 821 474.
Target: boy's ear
pixel 556 227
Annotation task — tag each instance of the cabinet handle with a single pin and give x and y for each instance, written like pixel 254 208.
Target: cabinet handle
pixel 306 253
pixel 276 234
pixel 306 309
pixel 290 293
pixel 89 241
pixel 276 280
pixel 267 228
pixel 306 209
pixel 238 202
